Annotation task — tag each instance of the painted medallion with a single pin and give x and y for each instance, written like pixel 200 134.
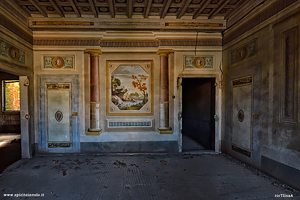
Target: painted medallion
pixel 241 115
pixel 242 53
pixel 58 62
pixel 58 115
pixel 13 53
pixel 199 62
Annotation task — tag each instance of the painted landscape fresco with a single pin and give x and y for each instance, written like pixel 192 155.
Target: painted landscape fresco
pixel 129 87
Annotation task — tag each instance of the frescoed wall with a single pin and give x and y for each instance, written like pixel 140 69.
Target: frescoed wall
pixel 272 47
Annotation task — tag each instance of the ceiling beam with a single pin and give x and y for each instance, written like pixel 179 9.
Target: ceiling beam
pixel 130 8
pixel 75 8
pixel 94 10
pixel 18 8
pixel 215 11
pixel 202 6
pixel 236 8
pixel 148 6
pixel 54 4
pixel 183 9
pixel 38 7
pixel 163 14
pixel 111 8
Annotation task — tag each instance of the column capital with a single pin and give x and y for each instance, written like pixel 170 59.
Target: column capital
pixel 94 52
pixel 164 52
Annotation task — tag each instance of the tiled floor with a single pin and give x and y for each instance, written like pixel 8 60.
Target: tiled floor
pixel 138 177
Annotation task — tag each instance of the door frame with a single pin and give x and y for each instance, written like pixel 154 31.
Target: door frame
pixel 26 151
pixel 218 103
pixel 42 80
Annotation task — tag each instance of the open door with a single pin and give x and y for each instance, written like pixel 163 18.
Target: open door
pixel 198 109
pixel 24 116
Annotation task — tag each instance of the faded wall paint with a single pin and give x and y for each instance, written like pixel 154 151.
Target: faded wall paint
pixel 278 139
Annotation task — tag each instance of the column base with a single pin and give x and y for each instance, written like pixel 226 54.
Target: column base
pixel 164 130
pixel 93 132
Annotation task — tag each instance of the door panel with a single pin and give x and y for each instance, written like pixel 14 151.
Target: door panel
pixel 198 104
pixel 58 113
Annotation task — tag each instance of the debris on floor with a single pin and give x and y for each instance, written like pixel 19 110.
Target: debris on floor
pixel 120 163
pixel 163 161
pixel 54 161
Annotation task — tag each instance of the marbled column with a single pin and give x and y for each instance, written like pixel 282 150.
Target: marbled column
pixel 164 90
pixel 94 92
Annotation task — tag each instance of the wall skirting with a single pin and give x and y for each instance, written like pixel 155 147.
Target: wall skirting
pixel 129 147
pixel 283 172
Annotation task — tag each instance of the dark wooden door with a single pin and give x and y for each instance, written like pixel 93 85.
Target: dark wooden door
pixel 198 109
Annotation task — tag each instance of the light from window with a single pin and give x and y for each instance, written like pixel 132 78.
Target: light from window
pixel 11 95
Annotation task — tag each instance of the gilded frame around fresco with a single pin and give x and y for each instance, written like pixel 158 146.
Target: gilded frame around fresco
pixel 113 110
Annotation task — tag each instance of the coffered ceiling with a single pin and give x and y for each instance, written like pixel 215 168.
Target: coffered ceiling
pixel 200 12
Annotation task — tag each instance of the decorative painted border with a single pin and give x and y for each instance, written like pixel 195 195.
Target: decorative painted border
pixel 59 145
pixel 244 52
pixel 6 51
pixel 194 24
pixel 112 44
pixel 58 86
pixel 268 13
pixel 129 124
pixel 10 26
pixel 190 62
pixel 63 79
pixel 242 81
pixel 67 62
pixel 44 23
pixel 115 64
pixel 289 73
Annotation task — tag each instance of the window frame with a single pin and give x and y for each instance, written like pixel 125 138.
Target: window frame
pixel 4 97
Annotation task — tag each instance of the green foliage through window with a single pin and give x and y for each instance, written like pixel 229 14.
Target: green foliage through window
pixel 11 95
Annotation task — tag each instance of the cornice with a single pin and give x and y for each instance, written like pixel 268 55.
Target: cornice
pixel 126 44
pixel 249 23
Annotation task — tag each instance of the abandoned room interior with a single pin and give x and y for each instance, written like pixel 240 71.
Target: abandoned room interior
pixel 154 76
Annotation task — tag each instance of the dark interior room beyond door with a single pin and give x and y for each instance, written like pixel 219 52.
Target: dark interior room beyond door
pixel 198 109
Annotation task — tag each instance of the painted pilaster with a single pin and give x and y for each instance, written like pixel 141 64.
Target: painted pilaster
pixel 164 92
pixel 94 93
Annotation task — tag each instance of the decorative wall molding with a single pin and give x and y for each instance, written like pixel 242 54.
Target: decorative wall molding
pixel 112 44
pixel 129 44
pixel 129 88
pixel 66 42
pixel 120 124
pixel 12 52
pixel 268 13
pixel 213 42
pixel 243 52
pixel 41 23
pixel 67 62
pixel 198 62
pixel 289 77
pixel 183 24
pixel 10 26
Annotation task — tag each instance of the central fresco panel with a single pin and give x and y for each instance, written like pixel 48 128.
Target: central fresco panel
pixel 129 88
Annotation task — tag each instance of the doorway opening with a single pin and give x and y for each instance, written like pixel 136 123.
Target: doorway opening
pixel 198 110
pixel 10 125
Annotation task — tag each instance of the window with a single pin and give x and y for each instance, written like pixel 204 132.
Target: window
pixel 11 95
